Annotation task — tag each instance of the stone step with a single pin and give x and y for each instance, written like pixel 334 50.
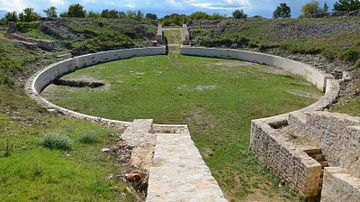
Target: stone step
pixel 313 151
pixel 318 157
pixel 178 172
pixel 324 164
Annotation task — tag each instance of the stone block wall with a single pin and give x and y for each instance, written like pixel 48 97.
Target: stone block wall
pixel 284 159
pixel 338 136
pixel 340 186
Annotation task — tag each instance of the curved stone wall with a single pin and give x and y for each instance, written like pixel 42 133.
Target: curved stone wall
pixel 309 73
pixel 43 78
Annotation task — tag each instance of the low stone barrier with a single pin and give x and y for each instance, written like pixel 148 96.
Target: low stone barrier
pixel 43 78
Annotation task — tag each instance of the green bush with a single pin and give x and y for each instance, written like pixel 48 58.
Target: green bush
pixel 56 141
pixel 357 64
pixel 90 136
pixel 349 55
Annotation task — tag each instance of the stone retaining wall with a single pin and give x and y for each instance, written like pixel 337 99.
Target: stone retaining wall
pixel 340 186
pixel 311 74
pixel 43 78
pixel 284 158
pixel 338 136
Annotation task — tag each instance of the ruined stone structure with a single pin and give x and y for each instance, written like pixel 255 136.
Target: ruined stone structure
pixel 185 36
pixel 28 41
pixel 308 149
pixel 160 37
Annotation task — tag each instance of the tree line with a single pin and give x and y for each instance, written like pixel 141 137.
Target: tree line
pixel 78 11
pixel 314 8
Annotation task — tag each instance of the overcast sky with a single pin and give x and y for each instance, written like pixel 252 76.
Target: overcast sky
pixel 263 8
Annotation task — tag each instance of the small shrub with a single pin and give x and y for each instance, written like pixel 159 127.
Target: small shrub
pixel 56 141
pixel 348 55
pixel 357 64
pixel 90 137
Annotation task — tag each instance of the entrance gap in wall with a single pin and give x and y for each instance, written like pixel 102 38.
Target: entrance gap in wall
pixel 319 157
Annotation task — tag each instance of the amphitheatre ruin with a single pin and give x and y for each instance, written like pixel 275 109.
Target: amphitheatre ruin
pixel 326 159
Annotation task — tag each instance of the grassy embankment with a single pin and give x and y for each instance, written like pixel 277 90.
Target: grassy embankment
pixel 217 98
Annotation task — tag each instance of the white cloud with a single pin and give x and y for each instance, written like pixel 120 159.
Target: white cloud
pixel 130 5
pixel 14 5
pixel 58 2
pixel 89 1
pixel 110 3
pixel 173 2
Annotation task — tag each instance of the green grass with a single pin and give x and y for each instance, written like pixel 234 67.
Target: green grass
pixel 173 36
pixel 217 98
pixel 29 171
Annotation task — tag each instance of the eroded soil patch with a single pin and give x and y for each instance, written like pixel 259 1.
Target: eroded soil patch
pixel 78 84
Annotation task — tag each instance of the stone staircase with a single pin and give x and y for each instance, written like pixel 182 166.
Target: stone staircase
pixel 319 157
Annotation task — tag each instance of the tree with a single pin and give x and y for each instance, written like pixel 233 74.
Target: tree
pixel 64 14
pixel 347 5
pixel 310 9
pixel 151 16
pixel 76 11
pixel 11 16
pixel 51 12
pixel 139 15
pixel 93 14
pixel 238 14
pixel 29 15
pixel 325 8
pixel 199 16
pixel 131 14
pixel 282 11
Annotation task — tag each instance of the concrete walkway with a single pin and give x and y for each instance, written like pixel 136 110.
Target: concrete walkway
pixel 178 172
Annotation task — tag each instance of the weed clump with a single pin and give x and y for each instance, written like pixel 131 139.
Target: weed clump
pixel 349 55
pixel 90 137
pixel 56 141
